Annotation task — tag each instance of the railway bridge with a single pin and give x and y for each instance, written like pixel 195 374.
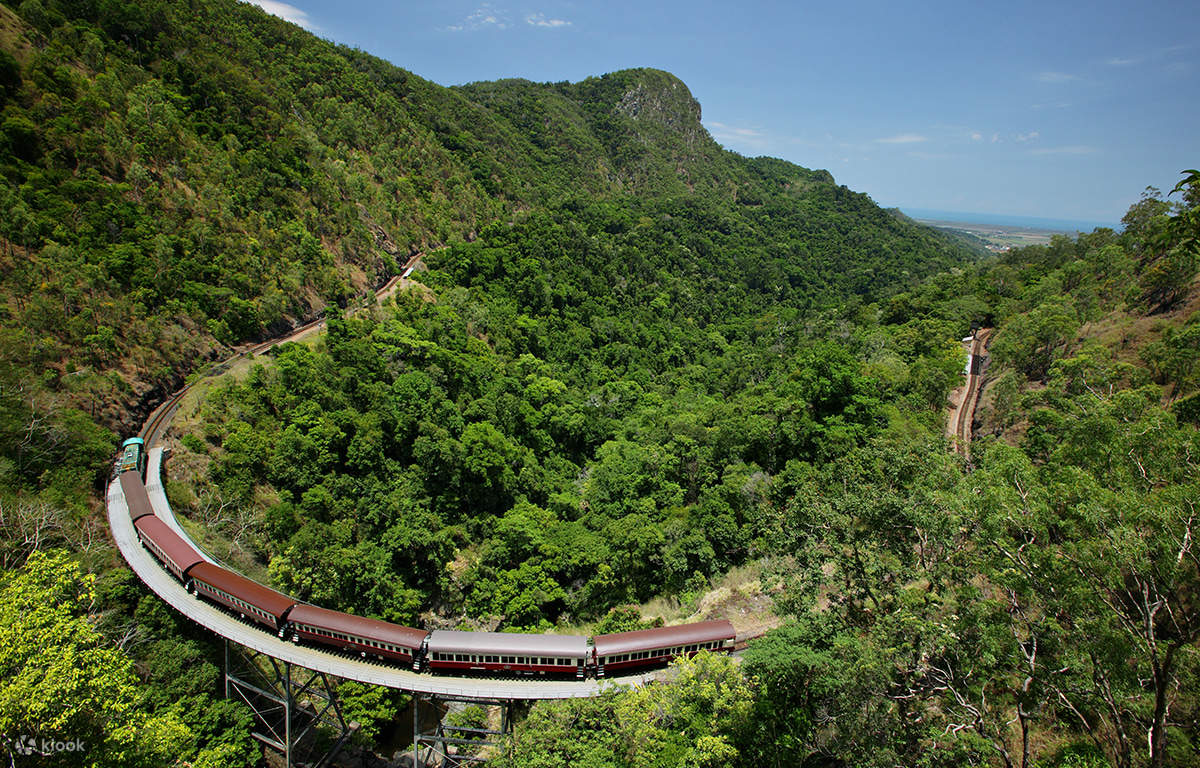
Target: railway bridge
pixel 288 685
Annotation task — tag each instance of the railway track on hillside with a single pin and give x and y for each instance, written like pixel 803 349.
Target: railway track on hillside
pixel 964 415
pixel 160 418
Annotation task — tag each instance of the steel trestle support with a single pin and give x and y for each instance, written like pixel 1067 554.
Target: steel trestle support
pixel 438 744
pixel 287 701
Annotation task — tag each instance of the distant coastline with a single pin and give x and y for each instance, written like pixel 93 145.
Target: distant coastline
pixel 1035 223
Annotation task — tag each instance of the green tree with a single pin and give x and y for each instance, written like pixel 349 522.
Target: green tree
pixel 60 680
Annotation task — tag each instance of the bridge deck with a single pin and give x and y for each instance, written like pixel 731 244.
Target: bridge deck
pixel 217 620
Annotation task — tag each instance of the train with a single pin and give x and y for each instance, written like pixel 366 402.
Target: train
pixel 131 458
pixel 436 651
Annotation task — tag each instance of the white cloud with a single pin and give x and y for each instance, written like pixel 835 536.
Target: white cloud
pixel 540 20
pixel 746 138
pixel 1022 138
pixel 1118 61
pixel 486 15
pixel 730 130
pixel 1055 77
pixel 287 13
pixel 903 138
pixel 976 136
pixel 1073 149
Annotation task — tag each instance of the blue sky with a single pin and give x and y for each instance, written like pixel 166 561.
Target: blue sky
pixel 1060 110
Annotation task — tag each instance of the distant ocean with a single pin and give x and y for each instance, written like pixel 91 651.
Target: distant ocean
pixel 996 219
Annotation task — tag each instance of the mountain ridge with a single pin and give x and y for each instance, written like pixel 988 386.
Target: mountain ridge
pixel 184 178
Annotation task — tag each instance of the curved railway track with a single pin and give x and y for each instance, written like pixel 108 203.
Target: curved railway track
pixel 318 659
pixel 160 417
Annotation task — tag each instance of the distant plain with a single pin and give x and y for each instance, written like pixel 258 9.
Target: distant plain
pixel 999 233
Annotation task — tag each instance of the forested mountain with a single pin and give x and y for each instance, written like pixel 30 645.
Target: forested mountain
pixel 180 176
pixel 636 361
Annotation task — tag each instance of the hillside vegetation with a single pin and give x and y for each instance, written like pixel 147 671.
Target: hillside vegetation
pixel 181 177
pixel 637 361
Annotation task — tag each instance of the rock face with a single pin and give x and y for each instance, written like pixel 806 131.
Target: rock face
pixel 662 99
pixel 649 123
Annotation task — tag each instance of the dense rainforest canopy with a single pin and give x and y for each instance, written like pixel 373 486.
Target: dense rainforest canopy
pixel 633 362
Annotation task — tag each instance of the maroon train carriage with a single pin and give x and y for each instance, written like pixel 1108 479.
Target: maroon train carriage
pixel 136 497
pixel 647 647
pixel 456 651
pixel 248 598
pixel 175 553
pixel 355 633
